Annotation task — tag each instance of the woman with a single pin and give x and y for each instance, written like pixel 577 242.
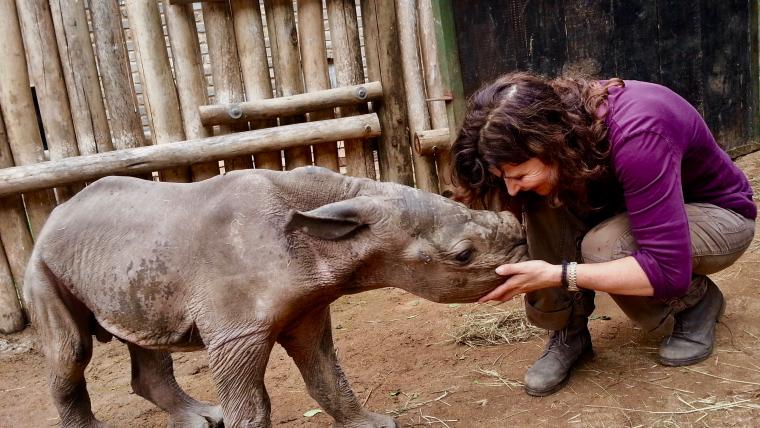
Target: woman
pixel 622 189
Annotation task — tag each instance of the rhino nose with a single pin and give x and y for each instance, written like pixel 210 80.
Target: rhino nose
pixel 518 252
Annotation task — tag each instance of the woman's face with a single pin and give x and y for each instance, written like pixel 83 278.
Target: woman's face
pixel 531 175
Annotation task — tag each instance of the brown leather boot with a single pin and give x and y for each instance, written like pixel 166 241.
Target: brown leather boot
pixel 693 334
pixel 550 372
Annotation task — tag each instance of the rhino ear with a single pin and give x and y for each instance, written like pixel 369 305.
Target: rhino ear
pixel 333 221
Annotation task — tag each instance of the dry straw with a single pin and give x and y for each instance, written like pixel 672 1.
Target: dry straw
pixel 495 327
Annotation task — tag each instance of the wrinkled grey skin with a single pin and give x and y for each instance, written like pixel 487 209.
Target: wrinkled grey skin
pixel 234 264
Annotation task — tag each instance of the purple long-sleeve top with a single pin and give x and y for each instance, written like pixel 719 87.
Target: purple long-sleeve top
pixel 664 155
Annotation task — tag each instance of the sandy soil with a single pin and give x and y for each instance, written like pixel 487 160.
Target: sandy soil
pixel 396 350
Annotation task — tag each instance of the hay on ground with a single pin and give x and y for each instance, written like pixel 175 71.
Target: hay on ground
pixel 495 328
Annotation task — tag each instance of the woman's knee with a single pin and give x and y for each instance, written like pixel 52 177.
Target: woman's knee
pixel 609 240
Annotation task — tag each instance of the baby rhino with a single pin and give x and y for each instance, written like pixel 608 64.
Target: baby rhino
pixel 234 264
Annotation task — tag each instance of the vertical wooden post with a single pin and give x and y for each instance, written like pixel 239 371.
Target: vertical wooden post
pixel 311 31
pixel 46 76
pixel 419 120
pixel 225 68
pixel 448 61
pixel 188 71
pixel 249 34
pixel 347 59
pixel 81 76
pixel 435 92
pixel 18 112
pixel 160 95
pixel 11 315
pixel 283 40
pixel 113 64
pixel 16 240
pixel 382 52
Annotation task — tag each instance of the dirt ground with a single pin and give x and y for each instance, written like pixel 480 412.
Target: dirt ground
pixel 397 352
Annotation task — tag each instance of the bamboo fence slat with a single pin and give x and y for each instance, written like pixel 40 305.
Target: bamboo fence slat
pixel 382 51
pixel 160 95
pixel 290 106
pixel 225 68
pixel 11 315
pixel 18 112
pixel 419 120
pixel 16 240
pixel 188 69
pixel 81 76
pixel 113 66
pixel 432 141
pixel 46 75
pixel 435 93
pixel 283 40
pixel 249 34
pixel 347 60
pixel 311 30
pixel 149 158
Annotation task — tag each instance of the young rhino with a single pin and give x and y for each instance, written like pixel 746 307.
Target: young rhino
pixel 234 264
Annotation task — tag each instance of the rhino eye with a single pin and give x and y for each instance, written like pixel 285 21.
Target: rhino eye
pixel 464 256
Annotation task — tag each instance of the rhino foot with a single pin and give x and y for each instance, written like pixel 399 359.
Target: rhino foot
pixel 370 420
pixel 209 417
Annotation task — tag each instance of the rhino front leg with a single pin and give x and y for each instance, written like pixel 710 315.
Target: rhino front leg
pixel 153 379
pixel 237 367
pixel 310 344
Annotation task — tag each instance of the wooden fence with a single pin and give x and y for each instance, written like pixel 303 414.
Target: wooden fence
pixel 70 110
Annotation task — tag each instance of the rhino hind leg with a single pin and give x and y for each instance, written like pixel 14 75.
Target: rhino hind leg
pixel 310 344
pixel 153 379
pixel 62 324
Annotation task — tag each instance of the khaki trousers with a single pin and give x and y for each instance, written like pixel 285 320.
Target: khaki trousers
pixel 718 237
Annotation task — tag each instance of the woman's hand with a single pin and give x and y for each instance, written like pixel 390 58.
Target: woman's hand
pixel 525 277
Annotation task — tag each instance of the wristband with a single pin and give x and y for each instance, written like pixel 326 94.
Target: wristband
pixel 564 274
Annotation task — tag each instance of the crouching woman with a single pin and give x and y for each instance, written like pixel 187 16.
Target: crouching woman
pixel 622 189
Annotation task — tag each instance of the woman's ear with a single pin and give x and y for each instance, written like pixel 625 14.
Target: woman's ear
pixel 337 220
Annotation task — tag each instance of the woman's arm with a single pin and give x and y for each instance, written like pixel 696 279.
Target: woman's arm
pixel 623 276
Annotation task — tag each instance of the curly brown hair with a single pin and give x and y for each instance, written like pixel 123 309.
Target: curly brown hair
pixel 522 116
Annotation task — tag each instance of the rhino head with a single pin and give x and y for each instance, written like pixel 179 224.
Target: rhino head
pixel 417 241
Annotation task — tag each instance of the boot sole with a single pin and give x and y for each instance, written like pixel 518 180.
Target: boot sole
pixel 699 358
pixel 585 356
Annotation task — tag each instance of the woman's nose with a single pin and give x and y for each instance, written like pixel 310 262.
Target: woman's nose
pixel 512 187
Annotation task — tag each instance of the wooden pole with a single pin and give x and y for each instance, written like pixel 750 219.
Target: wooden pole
pixel 290 106
pixel 159 93
pixel 347 60
pixel 419 120
pixel 194 1
pixel 191 87
pixel 249 35
pixel 149 158
pixel 81 76
pixel 382 52
pixel 11 315
pixel 311 29
pixel 435 93
pixel 15 238
pixel 283 40
pixel 225 68
pixel 432 142
pixel 448 64
pixel 46 75
pixel 18 111
pixel 113 65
